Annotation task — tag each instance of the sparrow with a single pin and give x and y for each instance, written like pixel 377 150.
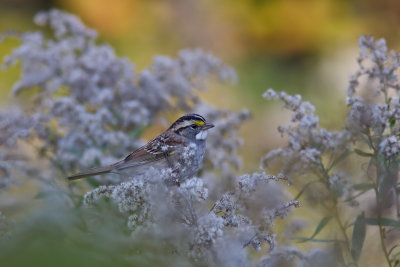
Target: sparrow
pixel 181 147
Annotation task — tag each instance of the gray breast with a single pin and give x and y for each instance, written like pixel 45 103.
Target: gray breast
pixel 189 159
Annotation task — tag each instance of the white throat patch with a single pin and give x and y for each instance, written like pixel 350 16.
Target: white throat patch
pixel 201 135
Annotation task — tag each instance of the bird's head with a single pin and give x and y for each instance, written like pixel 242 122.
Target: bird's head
pixel 192 126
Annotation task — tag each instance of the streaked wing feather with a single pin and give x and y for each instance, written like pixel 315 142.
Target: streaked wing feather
pixel 151 152
pixel 140 157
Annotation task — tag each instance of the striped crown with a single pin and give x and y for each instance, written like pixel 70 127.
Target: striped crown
pixel 188 120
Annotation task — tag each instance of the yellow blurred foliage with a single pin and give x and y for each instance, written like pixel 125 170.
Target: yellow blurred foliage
pixel 111 17
pixel 291 26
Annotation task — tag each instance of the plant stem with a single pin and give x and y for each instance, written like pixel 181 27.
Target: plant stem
pixel 337 216
pixel 378 202
pixel 381 230
pixel 343 230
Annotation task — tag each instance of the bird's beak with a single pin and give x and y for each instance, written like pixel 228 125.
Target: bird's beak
pixel 207 126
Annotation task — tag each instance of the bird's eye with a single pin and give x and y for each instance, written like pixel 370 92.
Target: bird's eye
pixel 194 126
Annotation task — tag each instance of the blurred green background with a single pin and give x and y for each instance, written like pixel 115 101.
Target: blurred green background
pixel 307 47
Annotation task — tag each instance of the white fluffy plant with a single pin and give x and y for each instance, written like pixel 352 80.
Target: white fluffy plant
pixel 329 162
pixel 88 107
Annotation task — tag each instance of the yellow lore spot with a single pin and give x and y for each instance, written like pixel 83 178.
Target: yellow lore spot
pixel 199 122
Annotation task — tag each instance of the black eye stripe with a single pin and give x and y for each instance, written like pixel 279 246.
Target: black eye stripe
pixel 185 127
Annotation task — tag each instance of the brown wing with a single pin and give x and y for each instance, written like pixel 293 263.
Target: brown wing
pixel 153 151
pixel 157 149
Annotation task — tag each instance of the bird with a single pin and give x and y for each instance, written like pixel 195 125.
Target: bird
pixel 181 147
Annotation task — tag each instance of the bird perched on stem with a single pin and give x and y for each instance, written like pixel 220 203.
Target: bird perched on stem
pixel 181 147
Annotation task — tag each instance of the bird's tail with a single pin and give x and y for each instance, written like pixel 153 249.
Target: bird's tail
pixel 91 172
